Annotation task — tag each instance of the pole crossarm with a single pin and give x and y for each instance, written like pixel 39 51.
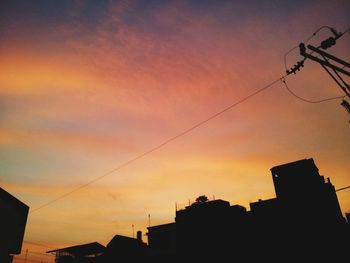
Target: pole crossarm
pixel 329 56
pixel 322 62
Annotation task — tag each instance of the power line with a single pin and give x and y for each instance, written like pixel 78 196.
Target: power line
pixel 132 160
pixel 40 253
pixel 38 244
pixel 340 189
pixel 307 100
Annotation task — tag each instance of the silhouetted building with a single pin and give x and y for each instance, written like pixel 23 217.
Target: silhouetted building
pixel 306 209
pixel 13 221
pixel 304 192
pixel 86 253
pixel 199 233
pixel 201 228
pixel 162 242
pixel 303 222
pixel 125 249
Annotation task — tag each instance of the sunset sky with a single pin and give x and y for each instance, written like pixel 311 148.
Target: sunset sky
pixel 87 85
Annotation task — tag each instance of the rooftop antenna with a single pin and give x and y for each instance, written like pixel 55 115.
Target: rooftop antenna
pixel 149 220
pixel 133 235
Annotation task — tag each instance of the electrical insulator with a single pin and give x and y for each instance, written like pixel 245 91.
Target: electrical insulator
pixel 296 67
pixel 328 43
pixel 300 64
pixel 336 33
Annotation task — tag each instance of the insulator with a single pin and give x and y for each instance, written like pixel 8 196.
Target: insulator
pixel 328 43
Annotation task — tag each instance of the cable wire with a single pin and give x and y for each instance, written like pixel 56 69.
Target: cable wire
pixel 38 244
pixel 132 160
pixel 307 100
pixel 191 128
pixel 343 188
pixel 38 253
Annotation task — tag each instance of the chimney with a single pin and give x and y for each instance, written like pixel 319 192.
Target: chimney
pixel 139 236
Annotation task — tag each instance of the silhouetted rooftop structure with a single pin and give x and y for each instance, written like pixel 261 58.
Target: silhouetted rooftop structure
pixel 123 242
pixel 213 223
pixel 81 250
pixel 263 207
pixel 162 241
pixel 303 221
pixel 13 221
pixel 208 208
pixel 296 179
pixel 301 190
pixel 125 249
pixel 78 254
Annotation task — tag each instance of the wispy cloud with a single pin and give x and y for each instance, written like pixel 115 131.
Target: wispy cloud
pixel 96 92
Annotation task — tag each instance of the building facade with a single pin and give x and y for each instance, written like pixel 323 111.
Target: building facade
pixel 13 221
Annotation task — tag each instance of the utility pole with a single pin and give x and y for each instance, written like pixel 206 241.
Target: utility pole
pixel 334 66
pixel 327 65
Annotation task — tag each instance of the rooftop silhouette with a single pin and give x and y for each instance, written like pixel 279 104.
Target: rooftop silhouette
pixel 303 222
pixel 79 253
